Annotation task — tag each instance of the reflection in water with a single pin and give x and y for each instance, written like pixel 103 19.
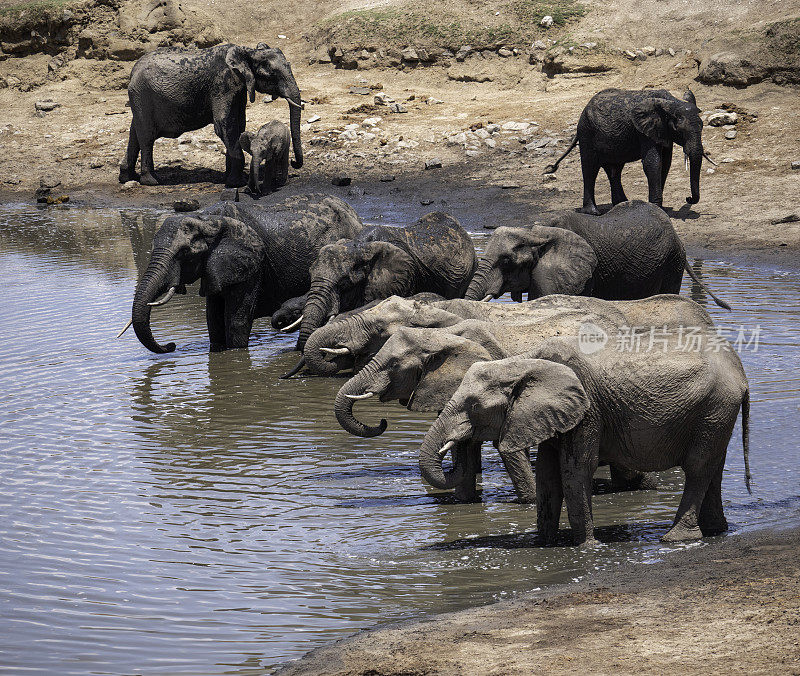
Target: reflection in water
pixel 192 513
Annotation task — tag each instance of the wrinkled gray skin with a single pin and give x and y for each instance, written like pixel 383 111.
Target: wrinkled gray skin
pixel 423 367
pixel 249 260
pixel 269 165
pixel 620 126
pixel 647 411
pixel 630 252
pixel 434 254
pixel 175 91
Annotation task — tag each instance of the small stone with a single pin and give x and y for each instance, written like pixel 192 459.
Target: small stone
pixel 435 163
pixel 710 171
pixel 722 118
pixel 95 164
pixel 130 185
pixel 728 160
pixel 505 53
pixel 549 178
pixel 649 50
pixel 425 203
pixel 383 99
pixel 490 143
pixel 185 205
pixel 640 55
pixel 516 126
pixel 546 21
pixel 671 51
pixel 410 54
pixel 796 165
pixel 387 178
pixel 341 180
pixel 363 91
pixel 629 54
pixel 730 135
pixel 659 51
pixel 313 118
pixel 539 44
pixel 463 52
pixel 398 108
pixel 371 121
pixel 510 186
pixel 789 218
pixel 431 101
pixel 46 105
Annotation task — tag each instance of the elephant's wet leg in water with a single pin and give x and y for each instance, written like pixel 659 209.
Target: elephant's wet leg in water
pixel 467 491
pixel 578 457
pixel 549 492
pixel 215 321
pixel 614 173
pixel 712 519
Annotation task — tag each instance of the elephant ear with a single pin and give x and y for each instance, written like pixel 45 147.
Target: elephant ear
pixel 237 257
pixel 245 140
pixel 389 270
pixel 688 96
pixel 477 331
pixel 548 399
pixel 443 372
pixel 238 60
pixel 649 116
pixel 566 262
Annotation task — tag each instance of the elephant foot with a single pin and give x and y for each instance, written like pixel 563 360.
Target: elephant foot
pixel 589 209
pixel 681 533
pixel 126 175
pixel 237 181
pixel 149 178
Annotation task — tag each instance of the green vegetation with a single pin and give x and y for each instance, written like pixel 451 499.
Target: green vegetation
pixel 516 24
pixel 34 9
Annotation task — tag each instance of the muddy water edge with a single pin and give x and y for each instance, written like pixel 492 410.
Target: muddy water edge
pixel 192 513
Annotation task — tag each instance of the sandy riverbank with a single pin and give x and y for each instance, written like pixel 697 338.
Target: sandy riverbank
pixel 730 607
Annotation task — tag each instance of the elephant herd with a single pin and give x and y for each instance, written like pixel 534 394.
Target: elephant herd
pixel 405 311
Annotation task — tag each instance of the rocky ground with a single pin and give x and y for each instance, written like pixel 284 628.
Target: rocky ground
pixel 729 608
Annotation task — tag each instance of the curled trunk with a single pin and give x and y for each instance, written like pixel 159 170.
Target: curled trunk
pixel 321 298
pixel 157 279
pixel 487 280
pixel 430 462
pixel 359 384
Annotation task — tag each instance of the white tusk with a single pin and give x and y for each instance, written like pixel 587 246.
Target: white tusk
pixel 487 298
pixel 705 154
pixel 127 326
pixel 293 325
pixel 165 299
pixel 292 103
pixel 685 162
pixel 366 395
pixel 443 450
pixel 338 351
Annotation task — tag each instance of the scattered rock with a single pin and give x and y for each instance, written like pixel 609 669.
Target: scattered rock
pixel 410 54
pixel 628 54
pixel 659 51
pixel 435 163
pixel 649 50
pixel 431 101
pixel 185 205
pixel 130 185
pixel 730 135
pixel 789 218
pixel 548 178
pixel 46 105
pixel 730 69
pixel 546 21
pixel 671 51
pixel 398 108
pixel 510 186
pixel 341 180
pixel 516 126
pixel 49 199
pixel 718 119
pixel 371 121
pixel 505 53
pixel 313 118
pixel 463 52
pixel 387 178
pixel 96 164
pixel 426 203
pixel 383 99
pixel 796 165
pixel 539 44
pixel 363 91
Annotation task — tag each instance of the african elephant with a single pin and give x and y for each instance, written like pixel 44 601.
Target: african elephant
pixel 269 148
pixel 630 252
pixel 649 410
pixel 175 91
pixel 434 254
pixel 249 260
pixel 618 126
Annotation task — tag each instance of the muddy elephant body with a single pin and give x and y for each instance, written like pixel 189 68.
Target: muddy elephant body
pixel 644 411
pixel 249 260
pixel 175 91
pixel 435 255
pixel 619 126
pixel 269 165
pixel 630 252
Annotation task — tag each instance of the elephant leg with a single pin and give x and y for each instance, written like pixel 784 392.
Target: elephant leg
pixel 229 123
pixel 269 176
pixel 712 519
pixel 666 163
pixel 467 491
pixel 146 141
pixel 252 179
pixel 283 163
pixel 590 166
pixel 698 479
pixel 651 162
pixel 519 468
pixel 127 171
pixel 215 321
pixel 240 306
pixel 624 479
pixel 614 173
pixel 579 452
pixel 549 494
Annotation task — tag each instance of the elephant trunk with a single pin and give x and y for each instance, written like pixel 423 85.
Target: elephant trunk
pixel 364 383
pixel 255 165
pixel 695 153
pixel 160 276
pixel 322 297
pixel 313 356
pixel 292 93
pixel 487 281
pixel 430 458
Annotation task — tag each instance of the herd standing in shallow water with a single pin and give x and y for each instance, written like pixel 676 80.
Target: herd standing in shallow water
pixel 404 309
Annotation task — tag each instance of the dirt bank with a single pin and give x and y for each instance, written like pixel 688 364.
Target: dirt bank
pixel 727 608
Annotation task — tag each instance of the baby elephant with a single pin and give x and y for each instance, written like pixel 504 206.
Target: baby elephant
pixel 268 146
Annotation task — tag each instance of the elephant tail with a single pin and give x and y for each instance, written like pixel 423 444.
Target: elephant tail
pixel 699 281
pixel 551 168
pixel 746 439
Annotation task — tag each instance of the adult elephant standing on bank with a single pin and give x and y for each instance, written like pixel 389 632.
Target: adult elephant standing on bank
pixel 620 126
pixel 175 91
pixel 249 260
pixel 435 254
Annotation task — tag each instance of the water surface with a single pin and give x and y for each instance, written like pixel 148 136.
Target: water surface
pixel 193 514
